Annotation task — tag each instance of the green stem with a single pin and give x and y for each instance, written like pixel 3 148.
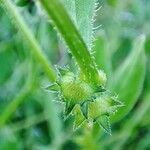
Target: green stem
pixel 63 23
pixel 17 19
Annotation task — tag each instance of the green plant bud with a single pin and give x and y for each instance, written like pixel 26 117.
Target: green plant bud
pixel 103 105
pixel 75 90
pixel 21 2
pixel 87 102
pixel 69 77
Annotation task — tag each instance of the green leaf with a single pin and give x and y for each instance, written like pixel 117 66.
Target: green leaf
pixel 82 13
pixel 71 9
pixel 129 78
pixel 85 11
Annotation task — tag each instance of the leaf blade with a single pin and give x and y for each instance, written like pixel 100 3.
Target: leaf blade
pixel 85 11
pixel 129 78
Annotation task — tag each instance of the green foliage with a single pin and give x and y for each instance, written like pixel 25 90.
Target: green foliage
pixel 20 24
pixel 129 77
pixel 9 141
pixel 104 86
pixel 8 56
pixel 83 13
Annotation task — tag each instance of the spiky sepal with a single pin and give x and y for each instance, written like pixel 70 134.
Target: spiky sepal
pixel 85 101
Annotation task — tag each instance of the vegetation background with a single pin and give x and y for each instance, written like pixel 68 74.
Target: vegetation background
pixel 29 117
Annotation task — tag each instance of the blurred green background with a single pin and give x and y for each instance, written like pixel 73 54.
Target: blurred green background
pixel 30 119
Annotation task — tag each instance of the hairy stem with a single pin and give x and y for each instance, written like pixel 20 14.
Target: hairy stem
pixel 73 39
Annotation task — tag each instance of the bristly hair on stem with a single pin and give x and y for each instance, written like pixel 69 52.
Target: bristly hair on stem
pixel 72 38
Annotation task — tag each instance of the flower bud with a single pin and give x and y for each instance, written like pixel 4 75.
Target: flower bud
pixel 75 90
pixel 103 105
